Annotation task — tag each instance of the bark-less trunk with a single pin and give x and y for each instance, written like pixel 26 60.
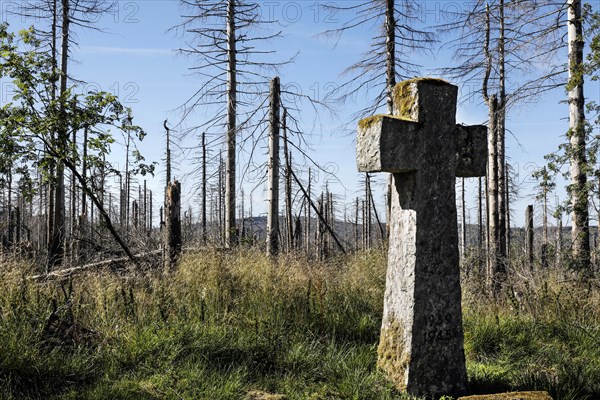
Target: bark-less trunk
pixel 500 142
pixel 230 228
pixel 390 45
pixel 463 236
pixel 559 240
pixel 127 195
pixel 204 187
pixel 494 265
pixel 288 184
pixel 493 234
pixel 480 217
pixel 168 166
pixel 507 208
pixel 273 172
pixel 308 212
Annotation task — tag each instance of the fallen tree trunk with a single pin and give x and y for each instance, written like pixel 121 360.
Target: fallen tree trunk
pixel 63 273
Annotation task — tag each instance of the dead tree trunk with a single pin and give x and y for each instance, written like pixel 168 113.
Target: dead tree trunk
pixel 127 200
pixel 493 278
pixel 363 217
pixel 463 230
pixel 172 229
pixel 390 47
pixel 242 218
pixel 544 248
pixel 577 137
pixel 203 187
pixel 529 235
pixel 559 239
pixel 376 214
pixel 145 209
pixel 307 214
pixel 356 219
pixel 230 227
pixel 56 249
pixel 320 215
pixel 480 223
pixel 273 172
pixel 297 232
pixel 168 155
pixel 288 184
pixel 83 228
pixel 73 213
pixel 330 221
pixel 507 208
pixel 150 221
pixel 500 142
pixel 368 220
pixel 494 269
pixel 221 193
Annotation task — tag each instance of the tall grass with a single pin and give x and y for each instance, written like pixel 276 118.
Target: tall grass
pixel 238 324
pixel 543 333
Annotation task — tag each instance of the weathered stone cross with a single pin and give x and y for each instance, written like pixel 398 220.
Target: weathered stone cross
pixel 421 346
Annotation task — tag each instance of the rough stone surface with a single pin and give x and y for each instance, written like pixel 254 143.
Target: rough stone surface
pixel 470 160
pixel 421 346
pixel 510 396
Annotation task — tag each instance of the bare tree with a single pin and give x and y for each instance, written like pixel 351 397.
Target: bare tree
pixel 273 170
pixel 387 59
pixel 519 39
pixel 224 37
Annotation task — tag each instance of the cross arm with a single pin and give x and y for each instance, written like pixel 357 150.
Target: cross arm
pixel 471 150
pixel 386 144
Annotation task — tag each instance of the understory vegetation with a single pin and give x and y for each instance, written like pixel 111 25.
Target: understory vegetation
pixel 237 325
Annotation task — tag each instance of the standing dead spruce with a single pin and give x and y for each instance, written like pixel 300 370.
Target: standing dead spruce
pixel 421 347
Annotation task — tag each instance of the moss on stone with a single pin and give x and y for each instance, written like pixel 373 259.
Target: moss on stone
pixel 403 96
pixel 510 396
pixel 393 359
pixel 404 99
pixel 366 123
pixel 426 79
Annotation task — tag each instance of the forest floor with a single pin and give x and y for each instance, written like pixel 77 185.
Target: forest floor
pixel 236 326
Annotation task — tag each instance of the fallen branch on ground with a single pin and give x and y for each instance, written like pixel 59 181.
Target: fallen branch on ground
pixel 63 273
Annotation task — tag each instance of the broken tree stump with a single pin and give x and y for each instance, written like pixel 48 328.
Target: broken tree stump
pixel 172 228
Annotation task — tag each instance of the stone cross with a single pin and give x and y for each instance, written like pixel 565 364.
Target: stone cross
pixel 421 346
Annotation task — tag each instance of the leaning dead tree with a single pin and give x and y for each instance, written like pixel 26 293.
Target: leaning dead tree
pixel 55 22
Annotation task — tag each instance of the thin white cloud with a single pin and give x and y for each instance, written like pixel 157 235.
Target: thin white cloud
pixel 132 51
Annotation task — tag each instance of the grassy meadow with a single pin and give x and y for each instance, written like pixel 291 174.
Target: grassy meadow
pixel 238 326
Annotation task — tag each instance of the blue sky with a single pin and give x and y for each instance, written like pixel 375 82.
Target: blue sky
pixel 136 58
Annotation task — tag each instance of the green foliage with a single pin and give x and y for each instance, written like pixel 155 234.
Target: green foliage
pixel 36 124
pixel 592 64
